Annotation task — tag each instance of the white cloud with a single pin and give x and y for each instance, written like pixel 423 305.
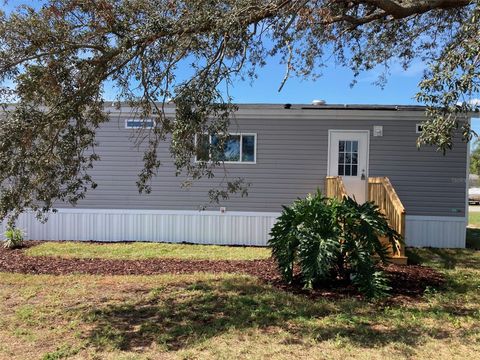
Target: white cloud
pixel 473 102
pixel 415 70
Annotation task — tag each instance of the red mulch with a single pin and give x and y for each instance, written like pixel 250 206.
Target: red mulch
pixel 406 281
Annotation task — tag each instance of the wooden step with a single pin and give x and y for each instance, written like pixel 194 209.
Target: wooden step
pixel 398 260
pixel 395 257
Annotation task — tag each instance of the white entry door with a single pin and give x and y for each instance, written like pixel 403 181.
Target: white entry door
pixel 348 158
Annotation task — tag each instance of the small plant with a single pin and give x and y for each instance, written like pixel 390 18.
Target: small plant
pixel 13 238
pixel 329 239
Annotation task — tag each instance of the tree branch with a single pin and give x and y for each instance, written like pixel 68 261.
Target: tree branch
pixel 399 11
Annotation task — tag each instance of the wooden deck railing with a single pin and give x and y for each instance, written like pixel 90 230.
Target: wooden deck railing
pixel 382 193
pixel 334 187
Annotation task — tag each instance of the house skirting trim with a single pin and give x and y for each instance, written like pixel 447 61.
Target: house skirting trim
pixel 205 227
pixel 435 231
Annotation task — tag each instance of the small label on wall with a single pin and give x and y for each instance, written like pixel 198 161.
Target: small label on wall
pixel 378 130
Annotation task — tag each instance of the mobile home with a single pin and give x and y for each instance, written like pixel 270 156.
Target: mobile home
pixel 284 152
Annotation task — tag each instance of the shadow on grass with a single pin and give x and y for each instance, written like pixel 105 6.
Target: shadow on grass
pixel 444 258
pixel 473 238
pixel 177 317
pixel 449 258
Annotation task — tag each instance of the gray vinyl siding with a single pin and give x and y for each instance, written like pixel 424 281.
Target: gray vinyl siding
pixel 292 156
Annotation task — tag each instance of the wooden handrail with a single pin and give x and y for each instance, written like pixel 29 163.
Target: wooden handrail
pixel 382 193
pixel 334 187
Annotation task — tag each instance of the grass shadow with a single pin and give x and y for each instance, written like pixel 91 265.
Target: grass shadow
pixel 443 258
pixel 182 316
pixel 473 238
pixel 448 258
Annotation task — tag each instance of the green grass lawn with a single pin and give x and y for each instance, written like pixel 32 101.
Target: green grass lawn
pixel 473 232
pixel 142 250
pixel 232 316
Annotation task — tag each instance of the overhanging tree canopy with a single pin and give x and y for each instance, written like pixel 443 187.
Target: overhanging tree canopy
pixel 55 61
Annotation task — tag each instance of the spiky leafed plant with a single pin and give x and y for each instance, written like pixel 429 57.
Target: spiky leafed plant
pixel 13 238
pixel 361 248
pixel 306 233
pixel 330 239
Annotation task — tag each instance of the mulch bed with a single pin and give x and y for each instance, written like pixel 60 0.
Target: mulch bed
pixel 18 262
pixel 406 281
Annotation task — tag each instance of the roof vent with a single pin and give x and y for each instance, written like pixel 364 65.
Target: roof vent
pixel 318 102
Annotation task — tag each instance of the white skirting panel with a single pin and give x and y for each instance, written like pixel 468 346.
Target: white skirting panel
pixel 206 227
pixel 435 231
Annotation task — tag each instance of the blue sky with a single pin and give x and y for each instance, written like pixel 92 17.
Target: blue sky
pixel 333 86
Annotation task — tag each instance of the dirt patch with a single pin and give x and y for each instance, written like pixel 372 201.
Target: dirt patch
pixel 17 261
pixel 413 279
pixel 409 281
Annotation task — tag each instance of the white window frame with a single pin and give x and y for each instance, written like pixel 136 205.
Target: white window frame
pixel 145 121
pixel 241 148
pixel 344 152
pixel 418 127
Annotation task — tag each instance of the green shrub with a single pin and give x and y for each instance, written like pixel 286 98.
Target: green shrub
pixel 329 239
pixel 13 238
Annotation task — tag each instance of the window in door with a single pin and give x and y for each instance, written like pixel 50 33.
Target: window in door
pixel 347 158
